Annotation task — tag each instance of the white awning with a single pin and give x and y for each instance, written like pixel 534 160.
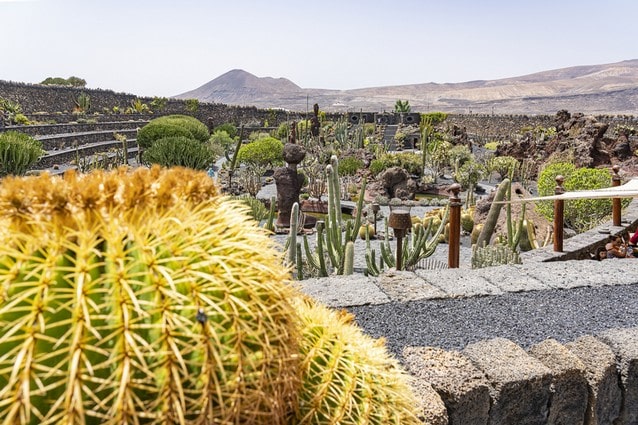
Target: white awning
pixel 627 190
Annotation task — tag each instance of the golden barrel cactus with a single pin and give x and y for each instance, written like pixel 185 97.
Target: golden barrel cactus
pixel 348 377
pixel 140 297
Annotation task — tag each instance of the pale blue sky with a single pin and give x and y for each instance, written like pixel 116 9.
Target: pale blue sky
pixel 163 48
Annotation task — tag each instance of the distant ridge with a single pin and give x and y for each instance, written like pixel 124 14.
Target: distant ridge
pixel 598 89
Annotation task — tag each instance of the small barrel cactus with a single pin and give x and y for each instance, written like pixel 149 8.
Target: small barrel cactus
pixel 348 377
pixel 140 297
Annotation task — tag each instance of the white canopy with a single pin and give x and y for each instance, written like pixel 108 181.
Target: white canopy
pixel 627 190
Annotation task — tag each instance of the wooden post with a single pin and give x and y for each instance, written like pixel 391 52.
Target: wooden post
pixel 455 227
pixel 615 202
pixel 559 212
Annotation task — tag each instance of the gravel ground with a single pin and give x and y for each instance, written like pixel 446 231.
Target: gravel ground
pixel 525 318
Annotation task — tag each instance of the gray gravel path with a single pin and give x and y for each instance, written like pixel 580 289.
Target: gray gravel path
pixel 525 318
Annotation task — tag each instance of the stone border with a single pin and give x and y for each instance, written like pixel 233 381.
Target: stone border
pixel 593 379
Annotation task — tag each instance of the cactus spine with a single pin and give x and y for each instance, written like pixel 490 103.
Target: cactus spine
pixel 348 378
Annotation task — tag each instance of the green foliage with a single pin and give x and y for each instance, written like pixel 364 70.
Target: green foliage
pixel 582 214
pixel 349 165
pixel 172 126
pixel 82 103
pixel 402 106
pixel 458 155
pixel 225 142
pixel 137 106
pixel 159 103
pixel 59 81
pixel 282 131
pixel 229 128
pixel 434 117
pixel 192 105
pixel 492 146
pixel 469 174
pixel 18 152
pixel 410 162
pixel 21 119
pixel 263 152
pixel 179 151
pixel 505 166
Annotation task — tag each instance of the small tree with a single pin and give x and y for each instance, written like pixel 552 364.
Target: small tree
pixel 257 157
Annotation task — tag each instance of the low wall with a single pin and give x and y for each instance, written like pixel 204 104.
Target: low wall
pixel 592 380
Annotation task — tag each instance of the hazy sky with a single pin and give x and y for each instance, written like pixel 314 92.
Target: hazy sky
pixel 163 48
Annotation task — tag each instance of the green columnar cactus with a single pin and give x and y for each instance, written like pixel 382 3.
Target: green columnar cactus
pixel 337 233
pixel 493 255
pixel 347 377
pixel 140 297
pixel 270 220
pixel 291 252
pixel 348 262
pixel 492 215
pixel 317 259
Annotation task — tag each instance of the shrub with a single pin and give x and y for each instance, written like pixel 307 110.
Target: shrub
pixel 171 126
pixel 18 152
pixel 225 142
pixel 410 162
pixel 582 214
pixel 349 165
pixel 434 117
pixel 229 128
pixel 503 165
pixel 179 151
pixel 263 152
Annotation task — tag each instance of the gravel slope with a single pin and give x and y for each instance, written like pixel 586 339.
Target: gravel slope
pixel 525 318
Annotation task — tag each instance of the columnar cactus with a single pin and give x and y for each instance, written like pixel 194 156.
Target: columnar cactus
pixel 140 297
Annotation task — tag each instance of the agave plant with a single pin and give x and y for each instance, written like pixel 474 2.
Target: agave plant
pixel 140 297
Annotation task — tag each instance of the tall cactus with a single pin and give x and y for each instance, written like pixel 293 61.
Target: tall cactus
pixel 492 215
pixel 337 232
pixel 139 297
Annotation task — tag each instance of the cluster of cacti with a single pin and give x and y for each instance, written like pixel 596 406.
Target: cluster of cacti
pixel 144 297
pixel 333 235
pixel 82 103
pixel 493 255
pixel 420 243
pixel 347 377
pixel 18 152
pixel 467 219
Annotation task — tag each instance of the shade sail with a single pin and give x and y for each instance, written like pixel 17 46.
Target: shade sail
pixel 627 190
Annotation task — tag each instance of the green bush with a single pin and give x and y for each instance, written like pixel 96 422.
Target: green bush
pixel 410 162
pixel 349 165
pixel 503 165
pixel 263 152
pixel 228 127
pixel 581 214
pixel 172 126
pixel 18 151
pixel 179 151
pixel 225 142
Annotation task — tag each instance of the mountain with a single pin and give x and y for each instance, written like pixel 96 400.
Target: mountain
pixel 597 89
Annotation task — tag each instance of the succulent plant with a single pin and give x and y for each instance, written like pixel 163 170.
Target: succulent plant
pixel 348 377
pixel 140 297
